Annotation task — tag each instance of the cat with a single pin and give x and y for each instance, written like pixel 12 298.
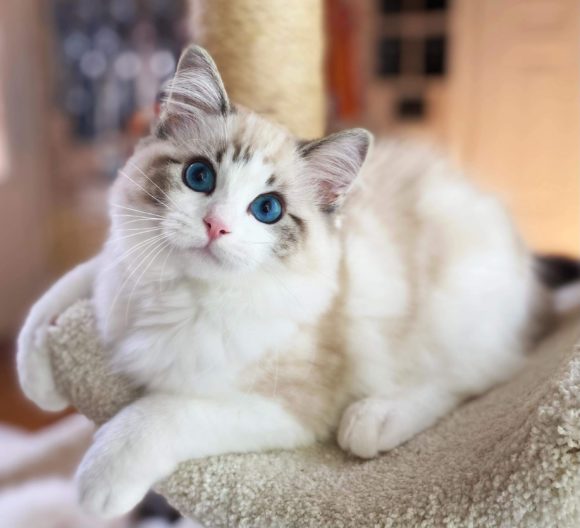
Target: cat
pixel 269 292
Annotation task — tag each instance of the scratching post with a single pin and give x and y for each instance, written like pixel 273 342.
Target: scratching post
pixel 270 55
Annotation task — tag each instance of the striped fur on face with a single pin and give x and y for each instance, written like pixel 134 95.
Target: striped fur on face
pixel 249 157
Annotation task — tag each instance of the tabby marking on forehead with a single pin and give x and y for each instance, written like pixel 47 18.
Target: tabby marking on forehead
pixel 241 153
pixel 257 134
pixel 219 155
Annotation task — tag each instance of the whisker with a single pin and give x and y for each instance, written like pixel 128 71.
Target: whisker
pixel 149 179
pixel 153 221
pixel 130 251
pixel 171 249
pixel 132 272
pixel 129 222
pixel 139 232
pixel 123 173
pixel 145 213
pixel 151 259
pixel 144 229
pixel 150 238
pixel 138 217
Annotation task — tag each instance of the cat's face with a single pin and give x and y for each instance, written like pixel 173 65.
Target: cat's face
pixel 218 190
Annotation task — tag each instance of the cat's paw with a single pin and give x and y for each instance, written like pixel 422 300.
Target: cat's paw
pixel 360 427
pixel 110 478
pixel 34 367
pixel 370 426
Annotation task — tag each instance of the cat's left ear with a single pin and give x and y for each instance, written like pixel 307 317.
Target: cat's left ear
pixel 335 162
pixel 197 85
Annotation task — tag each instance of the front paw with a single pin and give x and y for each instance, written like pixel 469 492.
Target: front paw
pixel 110 479
pixel 35 370
pixel 372 425
pixel 360 428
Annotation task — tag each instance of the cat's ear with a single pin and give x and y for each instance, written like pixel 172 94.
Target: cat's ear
pixel 197 86
pixel 335 161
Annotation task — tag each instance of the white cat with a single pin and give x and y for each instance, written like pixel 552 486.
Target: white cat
pixel 266 297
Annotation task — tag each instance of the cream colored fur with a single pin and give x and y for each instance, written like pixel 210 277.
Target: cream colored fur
pixel 349 316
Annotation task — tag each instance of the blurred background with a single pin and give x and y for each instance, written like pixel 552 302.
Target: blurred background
pixel 495 83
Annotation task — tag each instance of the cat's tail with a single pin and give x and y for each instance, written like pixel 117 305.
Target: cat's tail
pixel 562 275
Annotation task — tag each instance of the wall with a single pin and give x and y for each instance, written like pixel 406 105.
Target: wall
pixel 514 112
pixel 24 196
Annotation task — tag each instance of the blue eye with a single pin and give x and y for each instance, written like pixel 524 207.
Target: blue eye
pixel 200 177
pixel 267 208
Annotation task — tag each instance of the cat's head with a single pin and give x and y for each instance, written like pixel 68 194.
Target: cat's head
pixel 217 190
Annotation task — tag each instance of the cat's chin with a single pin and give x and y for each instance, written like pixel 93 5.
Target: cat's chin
pixel 209 263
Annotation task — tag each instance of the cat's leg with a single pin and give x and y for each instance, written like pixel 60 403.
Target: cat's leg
pixel 33 361
pixel 376 424
pixel 147 440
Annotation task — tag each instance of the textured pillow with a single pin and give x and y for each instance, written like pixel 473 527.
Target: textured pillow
pixel 508 458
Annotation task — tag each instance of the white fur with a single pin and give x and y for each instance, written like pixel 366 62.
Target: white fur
pixel 467 329
pixel 145 441
pixel 33 358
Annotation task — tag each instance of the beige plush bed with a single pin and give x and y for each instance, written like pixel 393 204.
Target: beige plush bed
pixel 509 458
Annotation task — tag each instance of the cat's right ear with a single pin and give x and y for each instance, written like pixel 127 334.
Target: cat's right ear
pixel 196 87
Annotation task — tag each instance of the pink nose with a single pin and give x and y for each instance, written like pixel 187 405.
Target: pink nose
pixel 215 227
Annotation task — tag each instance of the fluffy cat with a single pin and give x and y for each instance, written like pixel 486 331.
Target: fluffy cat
pixel 267 295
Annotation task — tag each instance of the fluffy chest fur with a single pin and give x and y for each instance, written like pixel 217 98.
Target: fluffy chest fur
pixel 188 337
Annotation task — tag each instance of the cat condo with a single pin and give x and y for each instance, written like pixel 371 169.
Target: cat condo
pixel 508 458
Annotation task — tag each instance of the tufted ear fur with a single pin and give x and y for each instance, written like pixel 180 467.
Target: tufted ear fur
pixel 197 86
pixel 335 161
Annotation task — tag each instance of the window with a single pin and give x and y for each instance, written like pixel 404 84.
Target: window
pixel 410 108
pixel 391 6
pixel 389 57
pixel 435 56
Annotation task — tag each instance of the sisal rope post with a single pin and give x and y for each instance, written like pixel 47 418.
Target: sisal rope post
pixel 270 55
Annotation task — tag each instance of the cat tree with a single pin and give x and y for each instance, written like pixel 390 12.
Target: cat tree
pixel 508 458
pixel 270 57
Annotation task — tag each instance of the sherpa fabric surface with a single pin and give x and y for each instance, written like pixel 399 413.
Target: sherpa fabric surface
pixel 509 458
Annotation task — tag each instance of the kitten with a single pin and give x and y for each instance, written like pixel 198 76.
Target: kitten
pixel 268 298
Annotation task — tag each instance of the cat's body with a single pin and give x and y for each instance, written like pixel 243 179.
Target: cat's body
pixel 424 287
pixel 371 315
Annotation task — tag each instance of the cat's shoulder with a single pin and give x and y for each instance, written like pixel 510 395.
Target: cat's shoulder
pixel 407 160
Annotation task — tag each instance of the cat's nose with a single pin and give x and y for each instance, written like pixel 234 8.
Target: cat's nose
pixel 215 227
